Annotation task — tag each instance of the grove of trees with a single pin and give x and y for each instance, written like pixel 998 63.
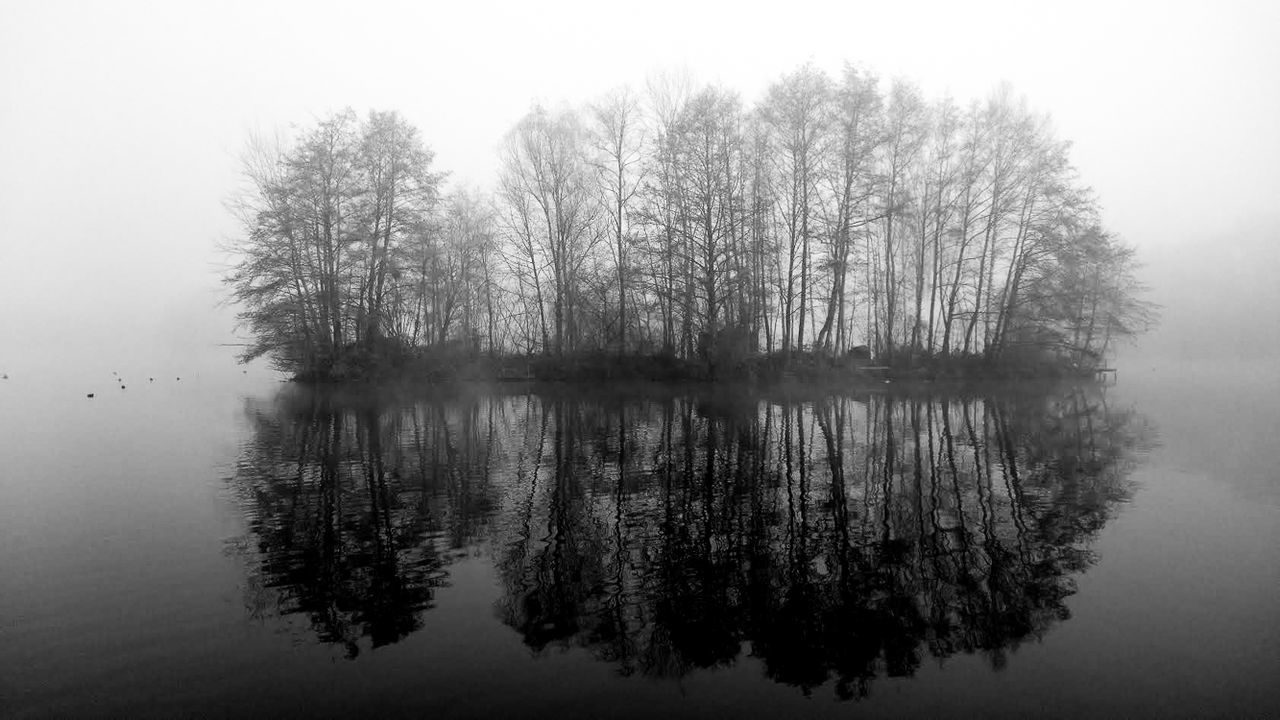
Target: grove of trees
pixel 834 213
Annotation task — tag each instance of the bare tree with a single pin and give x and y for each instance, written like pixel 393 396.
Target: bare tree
pixel 400 192
pixel 545 165
pixel 617 137
pixel 795 111
pixel 904 135
pixel 848 183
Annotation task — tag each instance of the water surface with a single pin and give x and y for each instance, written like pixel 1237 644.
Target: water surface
pixel 230 545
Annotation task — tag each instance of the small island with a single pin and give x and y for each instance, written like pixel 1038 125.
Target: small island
pixel 839 229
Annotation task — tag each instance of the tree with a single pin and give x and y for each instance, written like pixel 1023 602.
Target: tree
pixel 662 214
pixel 1087 298
pixel 546 182
pixel 399 195
pixel 617 139
pixel 848 184
pixel 795 112
pixel 904 135
pixel 328 221
pixel 707 155
pixel 293 265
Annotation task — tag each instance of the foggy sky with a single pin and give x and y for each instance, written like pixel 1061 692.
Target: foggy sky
pixel 121 125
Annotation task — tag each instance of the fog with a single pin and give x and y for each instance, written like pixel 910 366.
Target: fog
pixel 121 127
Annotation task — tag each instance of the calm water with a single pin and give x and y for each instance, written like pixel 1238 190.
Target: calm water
pixel 226 545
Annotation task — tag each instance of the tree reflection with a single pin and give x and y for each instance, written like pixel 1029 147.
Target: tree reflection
pixel 354 511
pixel 835 540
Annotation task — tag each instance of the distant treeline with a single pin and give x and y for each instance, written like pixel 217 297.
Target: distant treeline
pixel 835 217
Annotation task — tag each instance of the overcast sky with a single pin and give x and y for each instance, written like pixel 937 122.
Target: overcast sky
pixel 121 126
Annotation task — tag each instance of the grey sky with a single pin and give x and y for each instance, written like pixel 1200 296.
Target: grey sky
pixel 121 123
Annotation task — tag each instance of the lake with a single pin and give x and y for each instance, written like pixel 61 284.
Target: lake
pixel 224 544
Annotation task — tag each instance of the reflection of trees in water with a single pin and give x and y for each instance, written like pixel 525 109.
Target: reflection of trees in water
pixel 353 512
pixel 839 539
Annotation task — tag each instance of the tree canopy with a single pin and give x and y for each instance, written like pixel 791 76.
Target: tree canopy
pixel 834 213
